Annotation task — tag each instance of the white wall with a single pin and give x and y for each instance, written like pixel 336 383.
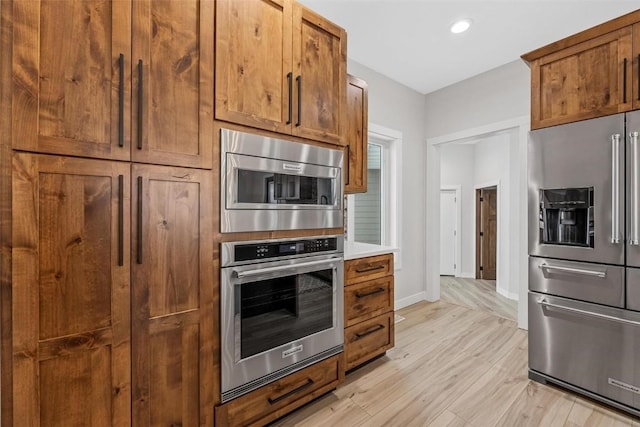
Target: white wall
pixel 397 107
pixel 495 100
pixel 457 164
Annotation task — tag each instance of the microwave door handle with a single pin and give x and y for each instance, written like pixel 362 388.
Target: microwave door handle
pixel 615 189
pixel 634 238
pixel 288 267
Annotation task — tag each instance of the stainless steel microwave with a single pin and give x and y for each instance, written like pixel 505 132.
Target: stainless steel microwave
pixel 272 184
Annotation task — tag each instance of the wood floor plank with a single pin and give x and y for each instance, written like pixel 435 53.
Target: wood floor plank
pixel 585 413
pixel 538 405
pixel 448 419
pixel 477 294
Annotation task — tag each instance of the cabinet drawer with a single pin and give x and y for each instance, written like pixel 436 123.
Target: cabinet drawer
pixel 368 299
pixel 280 397
pixel 368 339
pixel 362 269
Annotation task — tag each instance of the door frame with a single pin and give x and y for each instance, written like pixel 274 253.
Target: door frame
pixel 476 242
pixel 458 240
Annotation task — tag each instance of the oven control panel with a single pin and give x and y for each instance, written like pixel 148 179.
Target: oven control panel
pixel 269 250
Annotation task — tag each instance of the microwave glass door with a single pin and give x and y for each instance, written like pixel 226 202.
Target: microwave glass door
pixel 262 183
pixel 275 311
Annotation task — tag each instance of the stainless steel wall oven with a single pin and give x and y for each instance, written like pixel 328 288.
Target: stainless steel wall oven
pixel 281 308
pixel 272 184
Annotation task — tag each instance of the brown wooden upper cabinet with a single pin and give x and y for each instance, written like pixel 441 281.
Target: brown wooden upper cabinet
pixel 590 74
pixel 280 67
pixel 355 152
pixel 74 77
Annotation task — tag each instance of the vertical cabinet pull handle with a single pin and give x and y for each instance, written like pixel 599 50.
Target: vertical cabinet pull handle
pixel 120 220
pixel 638 77
pixel 624 81
pixel 290 85
pixel 346 165
pixel 615 189
pixel 140 99
pixel 121 102
pixel 299 84
pixel 139 223
pixel 634 238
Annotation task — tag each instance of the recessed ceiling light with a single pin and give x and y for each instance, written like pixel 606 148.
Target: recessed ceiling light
pixel 460 26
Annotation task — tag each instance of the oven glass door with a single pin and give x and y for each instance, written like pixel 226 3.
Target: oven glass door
pixel 263 183
pixel 275 311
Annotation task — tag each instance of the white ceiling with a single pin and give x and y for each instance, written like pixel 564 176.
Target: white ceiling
pixel 410 42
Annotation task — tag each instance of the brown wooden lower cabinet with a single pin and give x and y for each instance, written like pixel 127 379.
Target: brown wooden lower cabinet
pixel 283 396
pixel 369 319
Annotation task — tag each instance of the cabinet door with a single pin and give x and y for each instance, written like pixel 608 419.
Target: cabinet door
pixel 355 153
pixel 587 80
pixel 320 62
pixel 71 86
pixel 173 82
pixel 254 75
pixel 636 67
pixel 71 328
pixel 173 291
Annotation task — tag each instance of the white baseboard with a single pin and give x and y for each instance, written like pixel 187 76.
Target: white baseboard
pixel 506 294
pixel 406 302
pixel 466 275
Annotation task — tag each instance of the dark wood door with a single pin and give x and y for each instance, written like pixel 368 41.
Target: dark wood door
pixel 173 72
pixel 71 87
pixel 254 76
pixel 487 231
pixel 355 157
pixel 173 297
pixel 590 79
pixel 320 68
pixel 71 306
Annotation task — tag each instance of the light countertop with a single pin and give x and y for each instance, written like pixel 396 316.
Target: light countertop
pixel 353 250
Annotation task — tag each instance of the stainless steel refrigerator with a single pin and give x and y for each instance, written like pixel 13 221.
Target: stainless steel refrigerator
pixel 584 258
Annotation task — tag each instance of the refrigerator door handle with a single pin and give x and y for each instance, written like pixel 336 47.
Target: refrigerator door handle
pixel 634 238
pixel 615 189
pixel 545 303
pixel 592 273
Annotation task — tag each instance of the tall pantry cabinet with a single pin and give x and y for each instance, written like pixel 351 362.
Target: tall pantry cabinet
pixel 111 281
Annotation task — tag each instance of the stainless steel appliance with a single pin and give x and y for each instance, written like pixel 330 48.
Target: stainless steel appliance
pixel 272 184
pixel 281 308
pixel 584 264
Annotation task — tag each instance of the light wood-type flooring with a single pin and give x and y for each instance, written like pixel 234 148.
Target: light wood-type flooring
pixel 477 294
pixel 452 366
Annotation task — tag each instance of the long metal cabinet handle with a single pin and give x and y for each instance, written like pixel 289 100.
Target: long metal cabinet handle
pixel 140 101
pixel 624 81
pixel 120 220
pixel 299 84
pixel 373 330
pixel 638 77
pixel 121 102
pixel 290 84
pixel 274 400
pixel 139 231
pixel 634 238
pixel 546 303
pixel 601 274
pixel 346 165
pixel 248 273
pixel 615 189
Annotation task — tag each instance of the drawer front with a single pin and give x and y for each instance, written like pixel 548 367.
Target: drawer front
pixel 363 269
pixel 588 345
pixel 280 397
pixel 597 283
pixel 368 339
pixel 368 299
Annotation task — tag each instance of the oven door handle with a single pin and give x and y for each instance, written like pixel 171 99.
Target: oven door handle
pixel 545 303
pixel 288 267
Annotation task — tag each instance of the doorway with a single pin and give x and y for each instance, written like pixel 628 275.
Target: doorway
pixel 486 232
pixel 448 232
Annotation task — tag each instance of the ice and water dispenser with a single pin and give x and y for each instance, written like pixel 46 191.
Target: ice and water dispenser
pixel 566 216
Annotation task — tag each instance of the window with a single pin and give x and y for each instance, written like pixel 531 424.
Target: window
pixel 374 217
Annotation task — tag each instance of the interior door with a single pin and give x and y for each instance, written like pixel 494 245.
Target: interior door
pixel 487 233
pixel 447 232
